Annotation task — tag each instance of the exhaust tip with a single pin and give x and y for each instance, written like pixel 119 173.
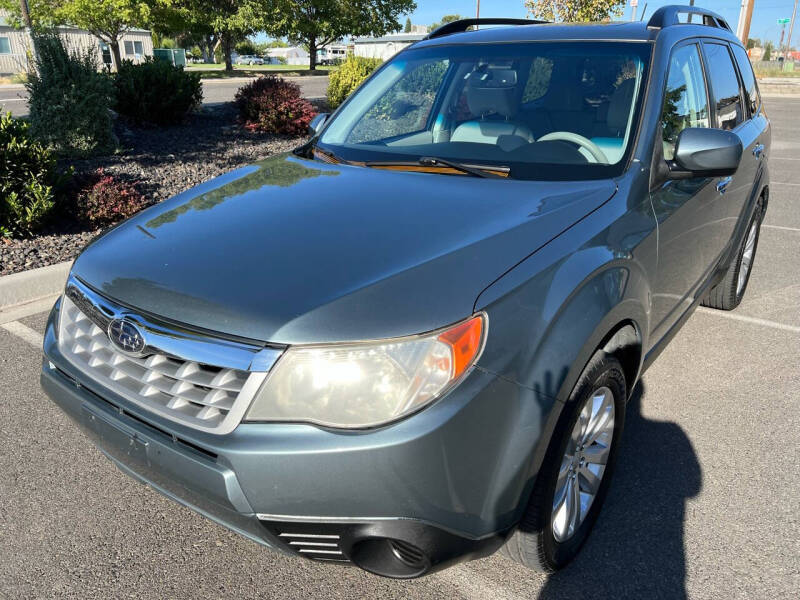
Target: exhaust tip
pixel 390 558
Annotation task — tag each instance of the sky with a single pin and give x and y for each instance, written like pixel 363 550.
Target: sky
pixel 764 24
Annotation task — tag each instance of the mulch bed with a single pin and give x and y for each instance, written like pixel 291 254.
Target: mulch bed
pixel 161 162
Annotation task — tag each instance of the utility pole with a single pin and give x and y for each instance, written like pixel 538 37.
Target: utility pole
pixel 634 6
pixel 745 16
pixel 791 27
pixel 478 12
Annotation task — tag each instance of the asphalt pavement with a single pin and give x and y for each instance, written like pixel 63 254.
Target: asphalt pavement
pixel 14 98
pixel 704 502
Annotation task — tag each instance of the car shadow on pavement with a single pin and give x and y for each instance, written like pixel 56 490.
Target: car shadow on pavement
pixel 636 549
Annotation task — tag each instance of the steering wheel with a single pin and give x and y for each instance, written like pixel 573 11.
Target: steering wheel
pixel 585 143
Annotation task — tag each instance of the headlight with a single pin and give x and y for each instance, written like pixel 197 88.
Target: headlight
pixel 367 384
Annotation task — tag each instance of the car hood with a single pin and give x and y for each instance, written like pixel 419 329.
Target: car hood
pixel 295 251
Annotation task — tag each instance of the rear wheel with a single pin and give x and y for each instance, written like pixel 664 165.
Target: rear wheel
pixel 728 293
pixel 574 478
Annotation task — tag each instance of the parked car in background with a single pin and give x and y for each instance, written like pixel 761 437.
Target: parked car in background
pixel 410 342
pixel 249 59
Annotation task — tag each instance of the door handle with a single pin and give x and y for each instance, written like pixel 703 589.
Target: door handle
pixel 758 150
pixel 722 184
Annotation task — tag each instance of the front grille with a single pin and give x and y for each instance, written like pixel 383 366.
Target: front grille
pixel 194 393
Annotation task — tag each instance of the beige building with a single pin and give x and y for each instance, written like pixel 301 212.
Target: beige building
pixel 15 45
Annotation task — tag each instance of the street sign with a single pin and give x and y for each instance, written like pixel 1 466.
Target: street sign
pixel 783 21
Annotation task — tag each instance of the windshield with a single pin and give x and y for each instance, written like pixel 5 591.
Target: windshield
pixel 538 110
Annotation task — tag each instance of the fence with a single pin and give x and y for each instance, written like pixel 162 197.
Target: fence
pixel 174 56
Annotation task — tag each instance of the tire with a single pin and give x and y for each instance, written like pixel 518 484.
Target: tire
pixel 542 542
pixel 728 293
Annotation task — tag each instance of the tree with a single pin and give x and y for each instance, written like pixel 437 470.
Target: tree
pixel 445 20
pixel 407 28
pixel 246 46
pixel 317 23
pixel 108 20
pixel 575 10
pixel 767 51
pixel 753 43
pixel 221 23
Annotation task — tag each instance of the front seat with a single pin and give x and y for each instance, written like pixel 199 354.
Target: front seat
pixel 493 93
pixel 619 112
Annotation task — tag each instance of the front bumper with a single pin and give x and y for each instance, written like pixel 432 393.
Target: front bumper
pixel 444 485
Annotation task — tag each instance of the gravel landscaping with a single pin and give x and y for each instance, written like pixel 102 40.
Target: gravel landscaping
pixel 161 162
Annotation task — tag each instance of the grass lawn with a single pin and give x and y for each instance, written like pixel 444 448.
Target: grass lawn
pixel 18 78
pixel 217 71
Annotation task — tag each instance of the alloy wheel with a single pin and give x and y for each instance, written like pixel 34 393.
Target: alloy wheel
pixel 747 257
pixel 583 464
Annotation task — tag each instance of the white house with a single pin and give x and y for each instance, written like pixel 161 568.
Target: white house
pixel 384 47
pixel 15 45
pixel 294 55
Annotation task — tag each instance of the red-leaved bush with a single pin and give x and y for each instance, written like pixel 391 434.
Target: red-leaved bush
pixel 273 105
pixel 108 201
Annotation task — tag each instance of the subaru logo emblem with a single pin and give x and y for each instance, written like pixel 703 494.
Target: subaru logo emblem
pixel 126 336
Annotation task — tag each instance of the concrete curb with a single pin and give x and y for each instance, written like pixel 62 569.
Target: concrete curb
pixel 28 286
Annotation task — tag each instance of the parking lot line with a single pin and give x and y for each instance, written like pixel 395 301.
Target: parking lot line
pixel 25 333
pixel 781 227
pixel 784 183
pixel 474 585
pixel 751 320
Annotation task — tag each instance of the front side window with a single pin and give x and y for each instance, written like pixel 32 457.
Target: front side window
pixel 724 85
pixel 5 45
pixel 404 108
pixel 685 98
pixel 539 110
pixel 752 96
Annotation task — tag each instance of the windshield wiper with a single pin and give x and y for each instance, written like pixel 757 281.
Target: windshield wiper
pixel 432 161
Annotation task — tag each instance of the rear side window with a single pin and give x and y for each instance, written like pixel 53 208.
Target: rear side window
pixel 538 79
pixel 724 85
pixel 685 99
pixel 752 96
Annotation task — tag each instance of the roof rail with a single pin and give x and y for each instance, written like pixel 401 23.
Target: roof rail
pixel 463 24
pixel 668 15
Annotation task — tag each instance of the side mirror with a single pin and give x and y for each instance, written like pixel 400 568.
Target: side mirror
pixel 317 123
pixel 703 152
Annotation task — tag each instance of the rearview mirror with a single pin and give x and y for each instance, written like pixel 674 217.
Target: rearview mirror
pixel 317 122
pixel 703 152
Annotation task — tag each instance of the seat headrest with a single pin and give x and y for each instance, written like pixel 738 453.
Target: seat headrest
pixel 619 107
pixel 493 91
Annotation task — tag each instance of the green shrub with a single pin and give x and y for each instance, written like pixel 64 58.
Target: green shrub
pixel 349 76
pixel 27 179
pixel 156 92
pixel 69 100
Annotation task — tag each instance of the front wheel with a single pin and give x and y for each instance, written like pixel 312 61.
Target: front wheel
pixel 574 478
